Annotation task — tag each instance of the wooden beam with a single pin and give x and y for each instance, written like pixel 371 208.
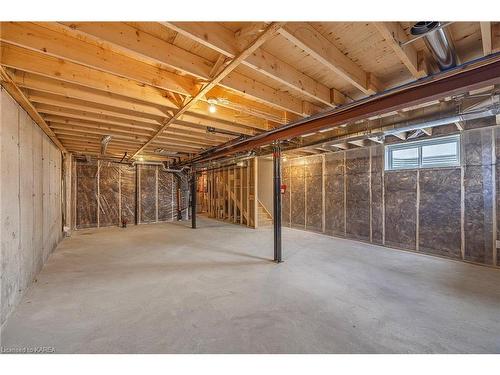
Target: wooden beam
pixel 34 62
pixel 394 35
pixel 486 37
pixel 19 97
pixel 226 120
pixel 55 44
pixel 227 43
pixel 427 131
pixel 137 44
pixel 401 136
pixel 268 33
pixel 306 37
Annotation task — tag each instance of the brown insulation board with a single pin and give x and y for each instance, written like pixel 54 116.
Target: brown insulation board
pixel 377 168
pixel 400 208
pixel 86 195
pixel 184 186
pixel 285 198
pixel 314 193
pixel 439 212
pixel 148 193
pixel 478 197
pixel 297 182
pixel 478 218
pixel 128 191
pixel 109 194
pixel 334 193
pixel 165 195
pixel 358 194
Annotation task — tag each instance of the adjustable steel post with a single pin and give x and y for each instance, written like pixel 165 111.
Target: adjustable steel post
pixel 277 201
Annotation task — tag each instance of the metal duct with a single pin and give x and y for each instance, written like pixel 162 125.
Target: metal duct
pixel 104 143
pixel 438 42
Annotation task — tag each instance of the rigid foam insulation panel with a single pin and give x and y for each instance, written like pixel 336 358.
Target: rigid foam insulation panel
pixel 479 175
pixel 128 193
pixel 357 190
pixel 334 194
pixel 86 195
pixel 377 194
pixel 109 194
pixel 147 193
pixel 166 195
pixel 30 204
pixel 314 196
pixel 439 212
pixel 285 198
pixel 401 208
pixel 297 193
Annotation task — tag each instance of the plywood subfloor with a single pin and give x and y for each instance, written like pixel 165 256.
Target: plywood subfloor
pixel 166 288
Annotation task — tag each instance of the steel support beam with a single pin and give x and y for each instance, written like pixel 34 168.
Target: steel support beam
pixel 457 81
pixel 277 202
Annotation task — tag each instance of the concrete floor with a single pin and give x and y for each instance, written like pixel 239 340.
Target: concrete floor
pixel 166 288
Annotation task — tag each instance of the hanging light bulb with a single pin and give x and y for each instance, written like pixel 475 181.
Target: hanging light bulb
pixel 212 105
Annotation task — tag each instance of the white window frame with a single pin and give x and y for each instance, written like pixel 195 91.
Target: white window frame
pixel 418 144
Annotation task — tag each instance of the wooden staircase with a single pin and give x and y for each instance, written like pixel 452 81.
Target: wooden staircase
pixel 265 217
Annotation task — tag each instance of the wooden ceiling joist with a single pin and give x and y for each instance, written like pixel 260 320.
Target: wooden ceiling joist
pixel 41 39
pixel 268 33
pixel 149 84
pixel 486 37
pixel 34 62
pixel 226 42
pixel 394 35
pixel 306 37
pixel 135 43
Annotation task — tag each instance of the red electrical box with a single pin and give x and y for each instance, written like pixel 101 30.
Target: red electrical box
pixel 283 189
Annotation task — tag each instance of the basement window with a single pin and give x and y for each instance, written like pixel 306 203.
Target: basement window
pixel 427 153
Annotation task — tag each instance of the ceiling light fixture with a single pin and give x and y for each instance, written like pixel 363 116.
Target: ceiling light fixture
pixel 212 105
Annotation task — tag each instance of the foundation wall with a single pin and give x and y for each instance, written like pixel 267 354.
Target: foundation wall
pixel 107 193
pixel 449 212
pixel 30 201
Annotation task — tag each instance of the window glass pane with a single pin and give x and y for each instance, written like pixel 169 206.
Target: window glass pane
pixel 426 153
pixel 440 154
pixel 405 158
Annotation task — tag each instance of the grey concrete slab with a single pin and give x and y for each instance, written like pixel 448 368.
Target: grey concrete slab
pixel 165 288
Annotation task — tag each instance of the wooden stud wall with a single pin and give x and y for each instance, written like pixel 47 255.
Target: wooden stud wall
pixel 231 193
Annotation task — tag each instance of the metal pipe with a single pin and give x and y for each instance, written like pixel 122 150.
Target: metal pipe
pixel 442 25
pixel 277 202
pixel 445 121
pixel 430 123
pixel 193 199
pixel 438 42
pixel 160 164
